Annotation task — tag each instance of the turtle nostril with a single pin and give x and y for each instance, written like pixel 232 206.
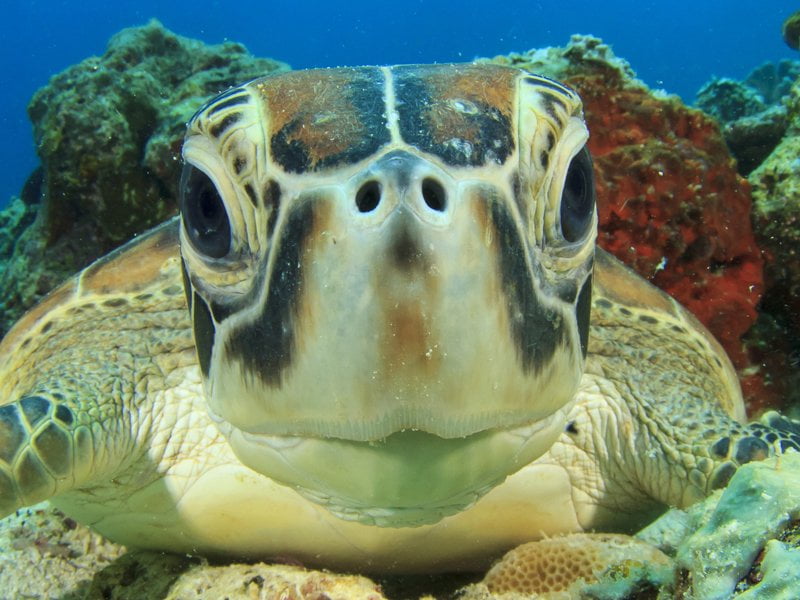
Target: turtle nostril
pixel 433 194
pixel 368 196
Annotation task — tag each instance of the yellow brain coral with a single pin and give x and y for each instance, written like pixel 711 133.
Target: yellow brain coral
pixel 554 565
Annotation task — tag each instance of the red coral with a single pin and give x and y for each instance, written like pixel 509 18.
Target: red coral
pixel 671 204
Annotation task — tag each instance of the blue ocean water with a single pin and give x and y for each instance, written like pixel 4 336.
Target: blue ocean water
pixel 674 45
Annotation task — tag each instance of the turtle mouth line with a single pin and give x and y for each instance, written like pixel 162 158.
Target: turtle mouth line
pixel 409 478
pixel 283 442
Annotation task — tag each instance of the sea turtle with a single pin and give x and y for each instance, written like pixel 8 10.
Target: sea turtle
pixel 379 337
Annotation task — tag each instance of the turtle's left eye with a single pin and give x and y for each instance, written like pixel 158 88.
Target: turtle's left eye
pixel 578 197
pixel 204 215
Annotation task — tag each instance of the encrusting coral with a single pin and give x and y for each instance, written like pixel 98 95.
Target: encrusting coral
pixel 108 132
pixel 565 564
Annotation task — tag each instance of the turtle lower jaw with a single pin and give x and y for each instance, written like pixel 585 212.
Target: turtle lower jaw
pixel 408 479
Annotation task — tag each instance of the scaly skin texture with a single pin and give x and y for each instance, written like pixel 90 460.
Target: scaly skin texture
pixel 150 469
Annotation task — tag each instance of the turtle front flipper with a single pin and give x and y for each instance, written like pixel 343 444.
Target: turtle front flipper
pixel 660 418
pixel 81 373
pixel 772 434
pixel 43 450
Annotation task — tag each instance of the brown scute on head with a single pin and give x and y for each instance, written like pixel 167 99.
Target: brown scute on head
pixel 557 564
pixel 464 114
pixel 321 119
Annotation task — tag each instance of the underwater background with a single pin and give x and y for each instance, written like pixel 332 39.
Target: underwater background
pixel 699 193
pixel 675 45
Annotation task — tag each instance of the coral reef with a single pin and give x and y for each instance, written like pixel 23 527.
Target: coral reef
pixel 751 112
pixel 723 554
pixel 776 217
pixel 670 201
pixel 108 132
pixel 578 562
pixel 71 562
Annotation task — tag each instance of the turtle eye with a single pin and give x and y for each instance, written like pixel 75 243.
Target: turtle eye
pixel 204 215
pixel 578 197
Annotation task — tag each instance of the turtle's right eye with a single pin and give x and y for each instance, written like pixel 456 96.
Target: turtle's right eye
pixel 578 198
pixel 204 215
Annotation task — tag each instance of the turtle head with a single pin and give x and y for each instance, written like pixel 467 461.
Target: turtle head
pixel 389 274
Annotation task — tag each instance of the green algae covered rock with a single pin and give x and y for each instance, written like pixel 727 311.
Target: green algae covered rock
pixel 776 220
pixel 108 132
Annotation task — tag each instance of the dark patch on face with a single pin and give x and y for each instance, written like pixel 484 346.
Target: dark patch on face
pixel 64 415
pixel 187 284
pixel 12 434
pixel 221 311
pixel 239 164
pixel 355 124
pixel 221 127
pixel 537 330
pixel 47 327
pixel 204 333
pixel 232 101
pixel 625 311
pixel 265 346
pixel 544 159
pixel 550 101
pixel 516 188
pixel 648 319
pixel 431 120
pixel 251 193
pixel 405 251
pixel 551 141
pixel 272 200
pixel 292 154
pixel 115 302
pixel 583 310
pixel 571 428
pixel 35 409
